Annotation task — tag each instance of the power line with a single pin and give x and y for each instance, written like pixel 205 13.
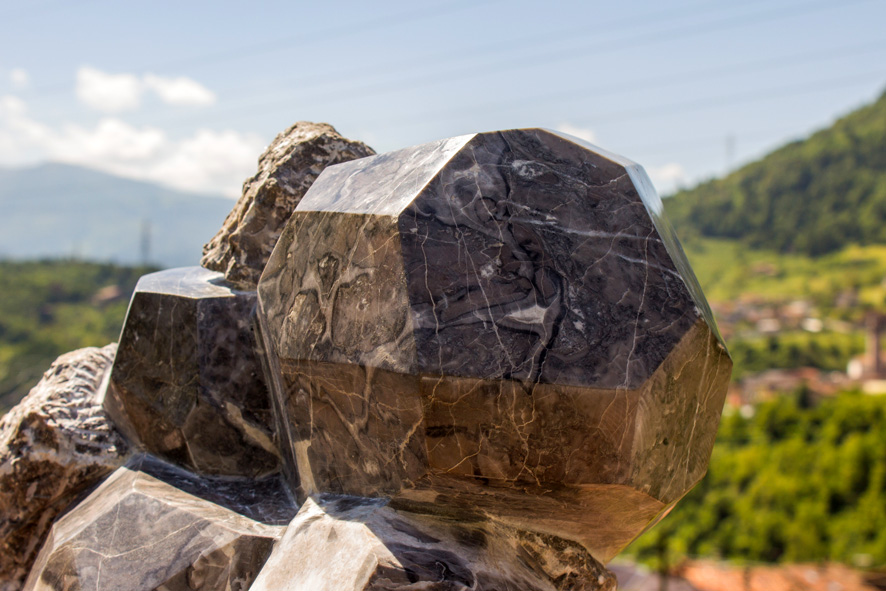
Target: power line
pixel 289 42
pixel 477 53
pixel 382 22
pixel 433 78
pixel 529 41
pixel 741 98
pixel 40 9
pixel 664 81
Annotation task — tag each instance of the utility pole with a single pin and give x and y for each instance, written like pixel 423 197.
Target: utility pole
pixel 730 151
pixel 146 242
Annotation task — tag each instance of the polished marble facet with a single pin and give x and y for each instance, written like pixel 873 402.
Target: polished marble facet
pixel 137 532
pixel 343 543
pixel 501 323
pixel 187 384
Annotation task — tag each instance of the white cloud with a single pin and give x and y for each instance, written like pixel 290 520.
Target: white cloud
pixel 20 136
pixel 115 93
pixel 180 91
pixel 12 107
pixel 668 177
pixel 19 78
pixel 582 133
pixel 207 161
pixel 111 140
pixel 109 93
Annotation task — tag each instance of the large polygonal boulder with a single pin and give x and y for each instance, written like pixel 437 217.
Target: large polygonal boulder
pixel 187 384
pixel 340 543
pixel 501 323
pixel 286 170
pixel 55 444
pixel 139 533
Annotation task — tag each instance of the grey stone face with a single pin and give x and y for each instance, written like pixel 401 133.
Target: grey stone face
pixel 360 544
pixel 285 172
pixel 54 445
pixel 266 500
pixel 137 532
pixel 501 322
pixel 187 384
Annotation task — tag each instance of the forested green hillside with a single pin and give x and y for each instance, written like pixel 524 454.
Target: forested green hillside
pixel 793 483
pixel 51 307
pixel 812 196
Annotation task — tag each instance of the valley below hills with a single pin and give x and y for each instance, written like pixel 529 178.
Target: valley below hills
pixel 54 211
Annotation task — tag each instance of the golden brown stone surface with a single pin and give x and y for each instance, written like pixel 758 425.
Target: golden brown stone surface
pixel 501 323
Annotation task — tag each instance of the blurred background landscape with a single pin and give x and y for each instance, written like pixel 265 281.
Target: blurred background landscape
pixel 127 130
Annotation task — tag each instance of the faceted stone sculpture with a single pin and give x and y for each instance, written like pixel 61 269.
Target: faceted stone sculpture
pixel 186 384
pixel 358 544
pixel 285 171
pixel 54 445
pixel 136 532
pixel 499 323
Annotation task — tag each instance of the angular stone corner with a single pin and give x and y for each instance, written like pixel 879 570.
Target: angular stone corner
pixel 187 384
pixel 358 544
pixel 137 532
pixel 501 322
pixel 286 170
pixel 54 445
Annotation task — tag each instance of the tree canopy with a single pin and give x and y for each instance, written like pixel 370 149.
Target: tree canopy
pixel 811 197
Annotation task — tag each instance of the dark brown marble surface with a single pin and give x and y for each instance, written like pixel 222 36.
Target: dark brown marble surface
pixel 137 532
pixel 502 323
pixel 187 384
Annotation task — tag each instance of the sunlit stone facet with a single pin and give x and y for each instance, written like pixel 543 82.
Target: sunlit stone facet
pixel 500 323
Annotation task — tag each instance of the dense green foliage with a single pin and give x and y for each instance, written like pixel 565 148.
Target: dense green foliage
pixel 730 272
pixel 792 483
pixel 827 351
pixel 812 196
pixel 47 308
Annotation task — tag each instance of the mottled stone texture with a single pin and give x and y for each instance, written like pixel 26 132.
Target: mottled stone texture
pixel 499 323
pixel 187 385
pixel 137 532
pixel 285 172
pixel 54 444
pixel 358 544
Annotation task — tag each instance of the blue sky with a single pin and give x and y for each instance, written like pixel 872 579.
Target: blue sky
pixel 188 93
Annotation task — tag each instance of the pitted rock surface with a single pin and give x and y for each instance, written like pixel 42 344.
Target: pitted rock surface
pixel 55 444
pixel 286 170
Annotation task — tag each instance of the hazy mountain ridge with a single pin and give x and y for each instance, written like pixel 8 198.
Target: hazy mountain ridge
pixel 810 197
pixel 58 210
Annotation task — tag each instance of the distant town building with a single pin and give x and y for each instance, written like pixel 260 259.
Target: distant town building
pixel 869 369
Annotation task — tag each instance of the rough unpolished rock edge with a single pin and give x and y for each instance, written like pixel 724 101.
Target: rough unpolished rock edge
pixel 54 444
pixel 286 170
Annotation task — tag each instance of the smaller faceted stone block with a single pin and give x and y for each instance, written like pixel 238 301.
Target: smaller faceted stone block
pixel 54 444
pixel 187 384
pixel 286 170
pixel 339 543
pixel 139 533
